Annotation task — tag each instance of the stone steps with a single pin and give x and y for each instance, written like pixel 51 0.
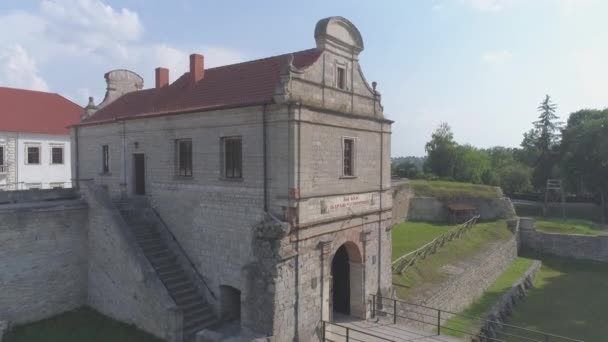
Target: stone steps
pixel 198 314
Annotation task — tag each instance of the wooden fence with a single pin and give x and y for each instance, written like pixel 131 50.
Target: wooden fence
pixel 401 264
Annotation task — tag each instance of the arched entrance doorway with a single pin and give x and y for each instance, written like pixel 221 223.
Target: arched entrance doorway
pixel 347 281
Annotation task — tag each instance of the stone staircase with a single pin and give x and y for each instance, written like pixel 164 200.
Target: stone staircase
pixel 198 314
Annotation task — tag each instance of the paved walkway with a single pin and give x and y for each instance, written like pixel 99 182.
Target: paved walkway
pixel 379 332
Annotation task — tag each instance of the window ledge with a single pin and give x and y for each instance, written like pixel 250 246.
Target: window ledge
pixel 348 177
pixel 107 174
pixel 228 179
pixel 183 178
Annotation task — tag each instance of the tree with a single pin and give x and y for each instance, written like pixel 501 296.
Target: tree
pixel 440 152
pixel 529 153
pixel 472 165
pixel 406 169
pixel 547 126
pixel 542 142
pixel 584 152
pixel 515 178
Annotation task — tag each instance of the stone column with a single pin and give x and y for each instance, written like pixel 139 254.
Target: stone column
pixel 326 280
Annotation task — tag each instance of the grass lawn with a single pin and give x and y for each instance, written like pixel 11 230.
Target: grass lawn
pixel 569 299
pixel 82 325
pixel 409 236
pixel 568 226
pixel 453 190
pixel 427 272
pixel 482 305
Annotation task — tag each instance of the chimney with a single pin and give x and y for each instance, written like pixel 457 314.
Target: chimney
pixel 197 68
pixel 162 77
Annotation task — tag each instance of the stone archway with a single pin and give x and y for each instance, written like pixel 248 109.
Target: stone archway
pixel 347 281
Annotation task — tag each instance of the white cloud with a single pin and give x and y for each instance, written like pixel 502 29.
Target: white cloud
pixel 19 70
pixel 88 38
pixel 486 5
pixel 498 57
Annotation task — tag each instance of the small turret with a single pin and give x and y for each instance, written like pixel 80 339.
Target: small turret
pixel 90 109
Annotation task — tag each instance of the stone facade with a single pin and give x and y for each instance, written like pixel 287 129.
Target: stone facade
pixel 16 174
pixel 273 233
pixel 8 174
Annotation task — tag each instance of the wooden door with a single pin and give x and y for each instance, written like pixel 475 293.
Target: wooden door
pixel 139 174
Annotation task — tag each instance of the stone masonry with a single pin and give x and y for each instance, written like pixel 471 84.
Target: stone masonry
pixel 271 234
pixel 9 177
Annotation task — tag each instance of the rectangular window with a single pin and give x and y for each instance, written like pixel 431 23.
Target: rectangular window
pixel 233 165
pixel 32 154
pixel 56 154
pixel 1 156
pixel 349 154
pixel 341 77
pixel 184 157
pixel 105 159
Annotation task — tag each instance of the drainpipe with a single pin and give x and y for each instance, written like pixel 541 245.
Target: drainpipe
pixel 297 247
pixel 265 158
pixel 124 159
pixel 380 202
pixel 76 158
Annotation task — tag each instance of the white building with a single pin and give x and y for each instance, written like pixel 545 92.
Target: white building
pixel 34 139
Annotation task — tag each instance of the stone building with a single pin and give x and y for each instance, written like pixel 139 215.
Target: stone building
pixel 34 139
pixel 272 175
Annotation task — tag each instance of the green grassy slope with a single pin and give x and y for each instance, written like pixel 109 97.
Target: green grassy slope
pixel 568 226
pixel 452 190
pixel 409 236
pixel 427 272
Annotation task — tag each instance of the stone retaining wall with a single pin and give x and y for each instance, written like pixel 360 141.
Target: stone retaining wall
pixel 565 245
pixel 43 260
pixel 499 313
pixel 462 290
pixel 432 209
pixel 58 254
pixel 122 284
pixel 402 195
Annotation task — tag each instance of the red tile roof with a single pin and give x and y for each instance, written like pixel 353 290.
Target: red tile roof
pixel 233 85
pixel 31 111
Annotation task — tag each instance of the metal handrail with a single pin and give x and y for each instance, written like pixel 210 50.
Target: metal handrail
pixel 402 263
pixel 166 227
pixel 21 185
pixel 547 337
pixel 348 330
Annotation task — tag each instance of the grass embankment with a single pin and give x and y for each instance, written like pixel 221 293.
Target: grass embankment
pixel 457 324
pixel 568 226
pixel 427 272
pixel 78 326
pixel 409 236
pixel 569 299
pixel 453 190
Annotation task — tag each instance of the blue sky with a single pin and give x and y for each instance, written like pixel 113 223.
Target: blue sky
pixel 480 65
